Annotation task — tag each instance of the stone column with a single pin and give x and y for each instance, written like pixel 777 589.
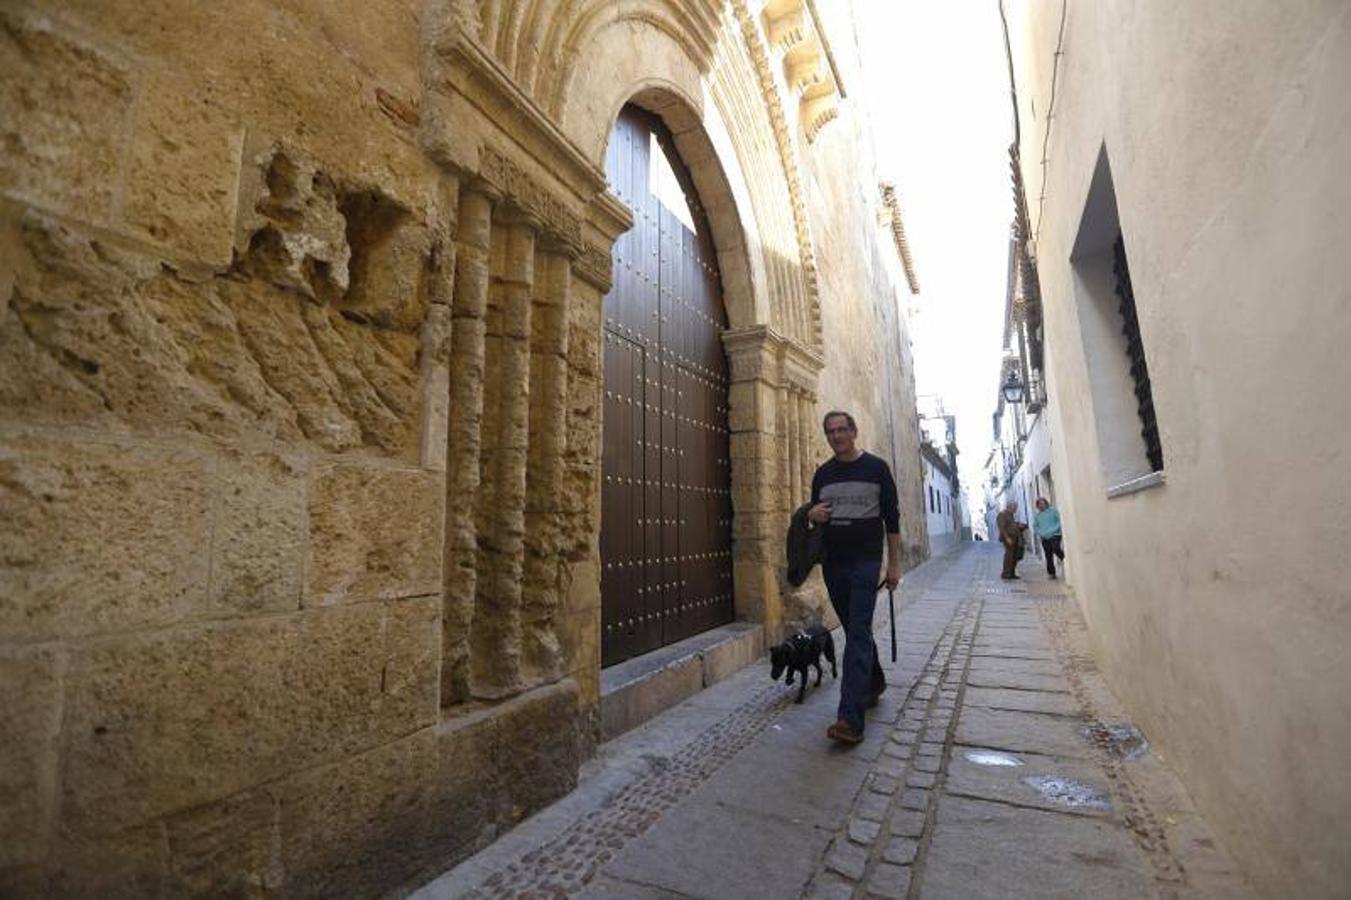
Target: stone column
pixel 807 436
pixel 757 484
pixel 542 658
pixel 464 432
pixel 495 657
pixel 793 449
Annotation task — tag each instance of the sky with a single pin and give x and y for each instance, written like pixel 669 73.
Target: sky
pixel 936 82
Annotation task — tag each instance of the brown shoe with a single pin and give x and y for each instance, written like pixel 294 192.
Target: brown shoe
pixel 842 733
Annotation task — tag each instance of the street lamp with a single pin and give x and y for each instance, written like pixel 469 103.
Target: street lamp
pixel 1013 388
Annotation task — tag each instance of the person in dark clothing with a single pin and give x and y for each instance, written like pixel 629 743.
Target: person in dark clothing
pixel 1011 536
pixel 854 499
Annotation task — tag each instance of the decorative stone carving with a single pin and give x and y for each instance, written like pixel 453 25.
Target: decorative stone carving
pixel 891 217
pixel 788 156
pixel 523 191
pixel 794 29
pixel 593 266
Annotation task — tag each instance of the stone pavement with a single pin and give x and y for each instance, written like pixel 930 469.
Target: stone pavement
pixel 997 765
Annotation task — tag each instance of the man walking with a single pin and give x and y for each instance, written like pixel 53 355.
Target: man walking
pixel 1046 523
pixel 1011 536
pixel 854 499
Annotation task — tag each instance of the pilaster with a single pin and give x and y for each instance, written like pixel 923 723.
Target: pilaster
pixel 464 437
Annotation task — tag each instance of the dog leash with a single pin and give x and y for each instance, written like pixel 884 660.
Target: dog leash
pixel 891 607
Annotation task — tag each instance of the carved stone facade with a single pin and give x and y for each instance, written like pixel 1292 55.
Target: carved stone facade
pixel 300 377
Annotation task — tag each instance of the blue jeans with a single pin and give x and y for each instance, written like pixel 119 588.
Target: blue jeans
pixel 853 593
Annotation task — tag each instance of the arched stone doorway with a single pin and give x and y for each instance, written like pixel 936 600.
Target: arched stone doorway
pixel 666 506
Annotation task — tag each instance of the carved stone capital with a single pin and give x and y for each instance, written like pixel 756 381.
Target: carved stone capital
pixel 593 265
pixel 801 367
pixel 754 353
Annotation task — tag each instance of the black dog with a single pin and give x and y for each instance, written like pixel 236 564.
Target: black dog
pixel 800 652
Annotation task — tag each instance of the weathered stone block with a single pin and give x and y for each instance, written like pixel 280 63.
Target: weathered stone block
pixel 751 405
pixel 583 420
pixel 180 717
pixel 581 647
pixel 642 695
pixel 98 537
pixel 183 174
pixel 31 683
pixel 63 109
pixel 389 261
pixel 290 231
pixel 229 848
pixel 374 532
pixel 360 826
pixel 744 645
pixel 756 445
pixel 462 795
pixel 537 754
pixel 129 865
pixel 257 534
pixel 435 417
pixel 584 337
pixel 97 335
pixel 412 648
pixel 757 594
pixel 580 487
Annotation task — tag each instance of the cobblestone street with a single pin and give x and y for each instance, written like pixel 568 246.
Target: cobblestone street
pixel 997 765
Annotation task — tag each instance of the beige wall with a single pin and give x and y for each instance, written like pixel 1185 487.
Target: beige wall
pixel 299 411
pixel 1219 600
pixel 869 367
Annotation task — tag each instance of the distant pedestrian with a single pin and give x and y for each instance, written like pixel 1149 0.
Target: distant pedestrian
pixel 1011 536
pixel 854 499
pixel 1047 525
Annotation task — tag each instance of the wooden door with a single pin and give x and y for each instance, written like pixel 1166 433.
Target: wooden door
pixel 666 517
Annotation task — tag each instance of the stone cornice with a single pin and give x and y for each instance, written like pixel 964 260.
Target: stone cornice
pixel 794 28
pixel 801 367
pixel 610 215
pixel 755 337
pixel 520 157
pixel 891 205
pixel 467 70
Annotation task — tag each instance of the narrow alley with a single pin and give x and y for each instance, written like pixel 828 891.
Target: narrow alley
pixel 997 764
pixel 423 421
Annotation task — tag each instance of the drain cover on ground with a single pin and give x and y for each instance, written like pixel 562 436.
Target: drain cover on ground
pixel 1122 740
pixel 1068 792
pixel 992 758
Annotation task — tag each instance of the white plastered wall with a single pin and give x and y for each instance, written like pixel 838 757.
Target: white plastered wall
pixel 1229 129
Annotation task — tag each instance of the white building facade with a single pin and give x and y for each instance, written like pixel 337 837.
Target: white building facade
pixel 942 503
pixel 1189 215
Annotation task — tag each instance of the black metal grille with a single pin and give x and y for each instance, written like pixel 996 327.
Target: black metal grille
pixel 1135 354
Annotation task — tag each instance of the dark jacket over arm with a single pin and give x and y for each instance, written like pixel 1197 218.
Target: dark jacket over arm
pixel 806 546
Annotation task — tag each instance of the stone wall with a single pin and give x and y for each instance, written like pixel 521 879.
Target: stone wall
pixel 1217 598
pixel 299 411
pixel 869 369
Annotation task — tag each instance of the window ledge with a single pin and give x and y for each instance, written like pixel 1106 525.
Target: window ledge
pixel 1144 482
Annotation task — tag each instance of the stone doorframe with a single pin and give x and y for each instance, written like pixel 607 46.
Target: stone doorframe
pixel 533 232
